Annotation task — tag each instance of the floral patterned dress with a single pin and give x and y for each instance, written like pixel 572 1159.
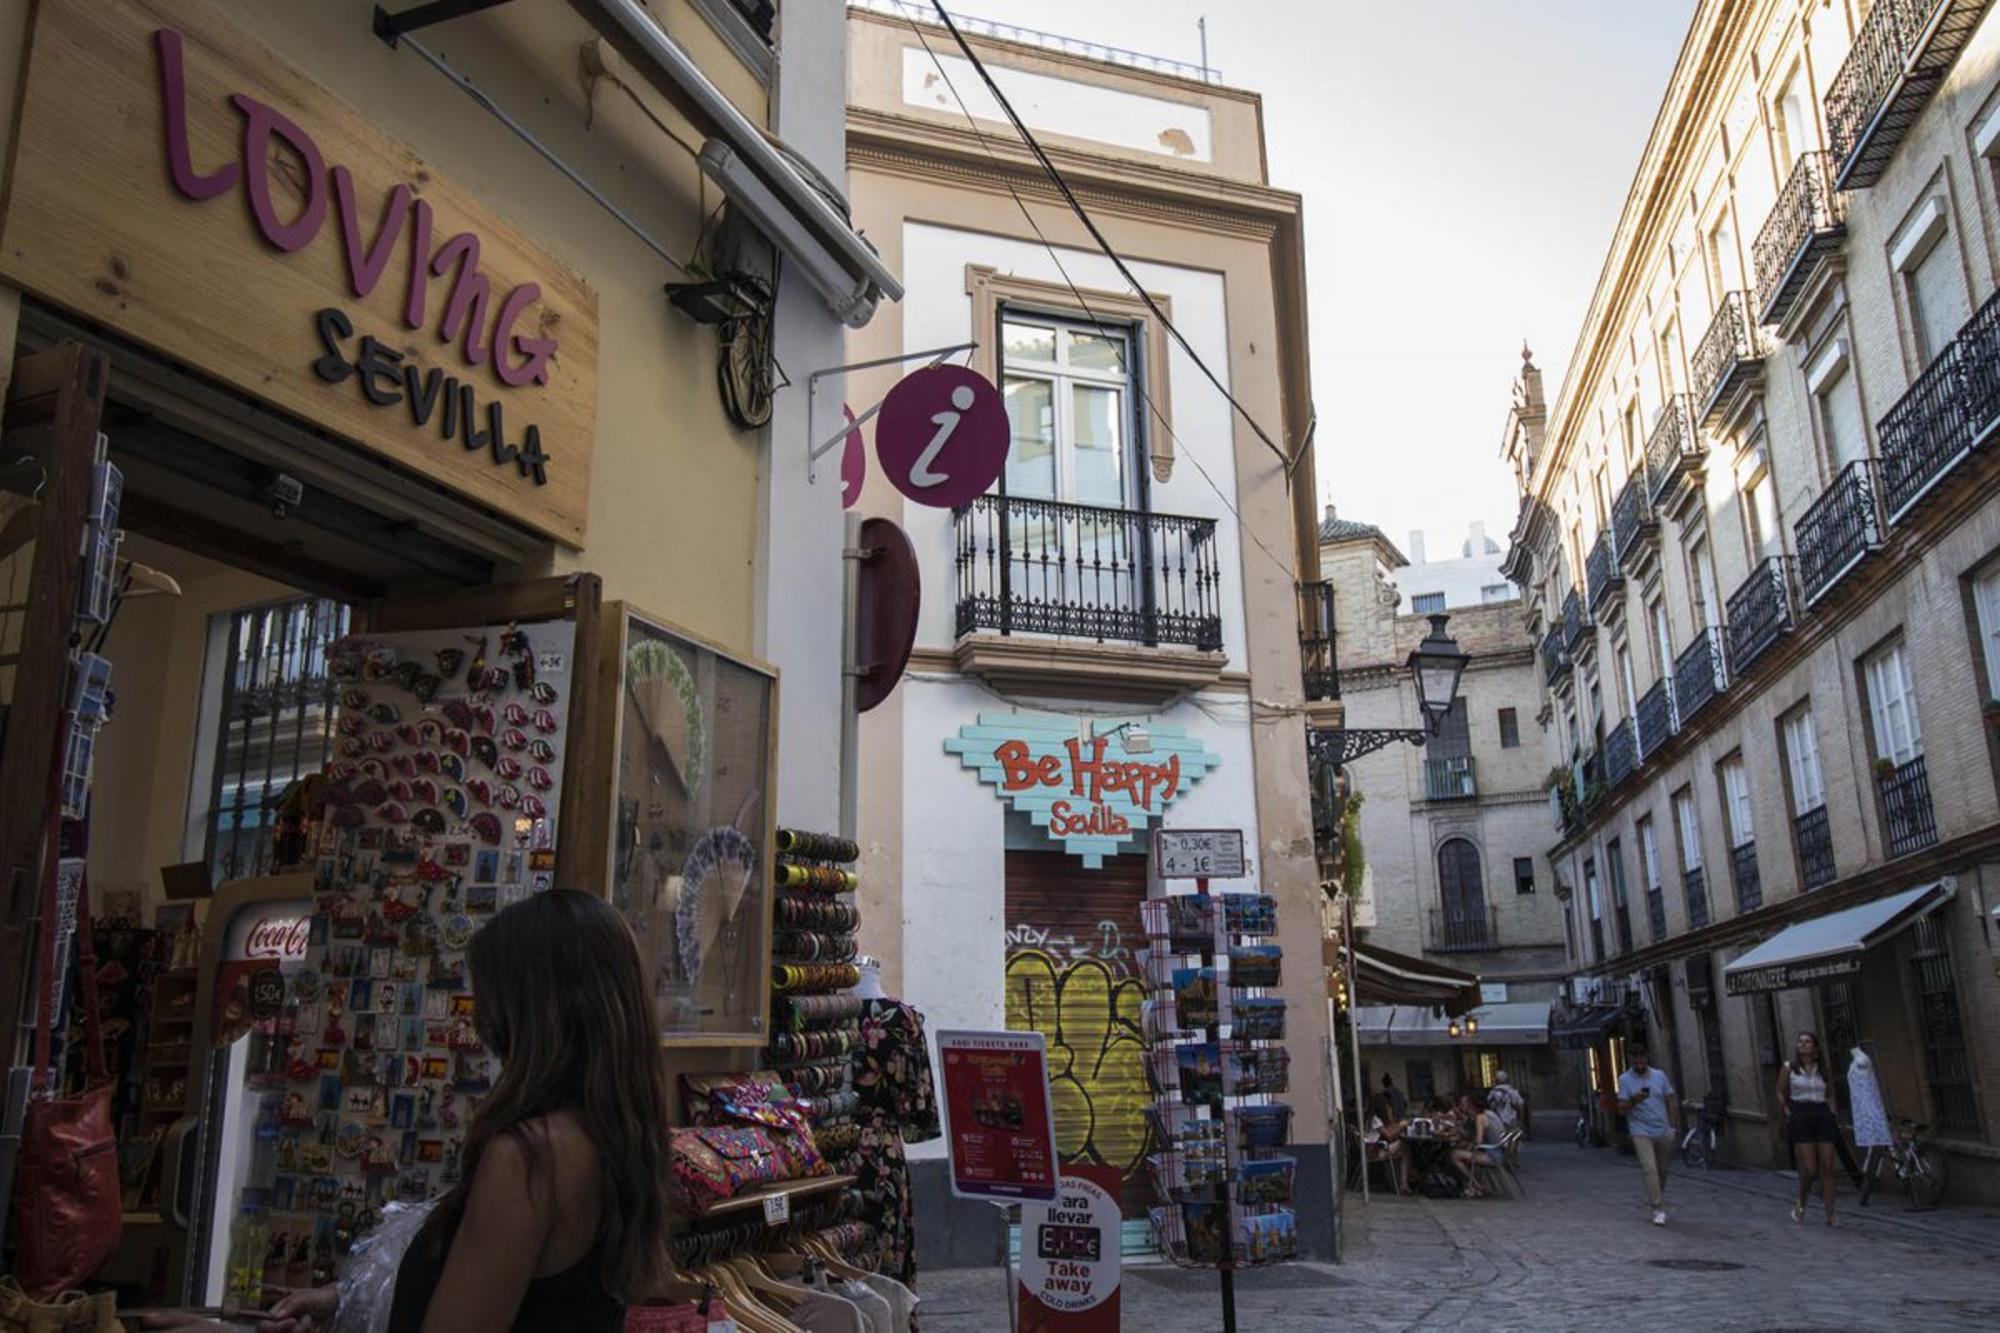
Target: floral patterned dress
pixel 898 1105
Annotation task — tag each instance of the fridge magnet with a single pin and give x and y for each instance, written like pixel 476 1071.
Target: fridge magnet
pixel 406 1148
pixel 426 1110
pixel 412 1037
pixel 457 854
pixel 316 1159
pixel 449 1175
pixel 358 1101
pixel 430 1150
pixel 387 1031
pixel 295 1112
pixel 329 1092
pixel 446 975
pixel 511 868
pixel 544 858
pixel 447 1110
pixel 436 1069
pixel 378 1155
pixel 328 1058
pixel 481 898
pixel 403 1110
pixel 381 963
pixel 486 867
pixel 461 1006
pixel 472 1075
pixel 413 1185
pixel 455 932
pixel 361 995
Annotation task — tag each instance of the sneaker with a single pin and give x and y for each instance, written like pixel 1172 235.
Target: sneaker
pixel 1659 1217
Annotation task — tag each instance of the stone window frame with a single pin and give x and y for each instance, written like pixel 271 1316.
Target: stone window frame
pixel 993 291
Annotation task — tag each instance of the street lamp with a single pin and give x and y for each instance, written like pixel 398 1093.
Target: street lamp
pixel 1436 665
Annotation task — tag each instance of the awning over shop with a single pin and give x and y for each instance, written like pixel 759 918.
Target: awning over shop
pixel 1584 1027
pixel 1829 947
pixel 1384 977
pixel 1516 1024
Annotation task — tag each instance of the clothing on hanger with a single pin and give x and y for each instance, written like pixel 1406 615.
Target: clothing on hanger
pixel 1864 1104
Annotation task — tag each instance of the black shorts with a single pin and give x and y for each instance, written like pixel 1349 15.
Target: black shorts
pixel 1813 1122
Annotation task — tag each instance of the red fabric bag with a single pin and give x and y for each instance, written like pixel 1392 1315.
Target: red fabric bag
pixel 677 1318
pixel 66 1207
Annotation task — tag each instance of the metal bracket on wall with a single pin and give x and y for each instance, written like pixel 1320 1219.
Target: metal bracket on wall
pixel 1340 746
pixel 391 27
pixel 817 448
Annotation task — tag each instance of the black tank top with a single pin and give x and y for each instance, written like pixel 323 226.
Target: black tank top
pixel 572 1301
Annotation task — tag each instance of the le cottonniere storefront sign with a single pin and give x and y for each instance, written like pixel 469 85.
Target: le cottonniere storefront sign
pixel 178 183
pixel 1082 789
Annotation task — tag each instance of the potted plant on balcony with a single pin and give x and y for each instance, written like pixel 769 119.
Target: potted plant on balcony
pixel 1885 768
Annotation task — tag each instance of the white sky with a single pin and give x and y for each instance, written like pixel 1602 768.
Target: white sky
pixel 1463 163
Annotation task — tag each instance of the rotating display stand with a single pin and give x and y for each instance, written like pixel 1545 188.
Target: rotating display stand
pixel 1215 1062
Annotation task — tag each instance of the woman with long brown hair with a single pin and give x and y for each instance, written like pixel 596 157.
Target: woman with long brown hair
pixel 561 1216
pixel 1805 1103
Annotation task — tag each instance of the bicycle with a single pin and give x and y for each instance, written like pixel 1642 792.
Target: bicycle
pixel 1920 1164
pixel 1699 1144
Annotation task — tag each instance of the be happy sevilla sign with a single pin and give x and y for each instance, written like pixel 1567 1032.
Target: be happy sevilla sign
pixel 1081 787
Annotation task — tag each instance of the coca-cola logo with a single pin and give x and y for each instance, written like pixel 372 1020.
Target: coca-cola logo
pixel 278 937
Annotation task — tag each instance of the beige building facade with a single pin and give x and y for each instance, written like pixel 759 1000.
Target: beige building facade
pixel 1759 530
pixel 1128 589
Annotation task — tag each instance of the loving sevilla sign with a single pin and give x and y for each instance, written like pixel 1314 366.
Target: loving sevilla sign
pixel 176 182
pixel 1081 787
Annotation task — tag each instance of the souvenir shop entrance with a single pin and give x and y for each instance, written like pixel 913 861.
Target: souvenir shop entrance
pixel 219 610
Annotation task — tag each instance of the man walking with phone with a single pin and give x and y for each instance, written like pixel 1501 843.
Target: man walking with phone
pixel 1653 1113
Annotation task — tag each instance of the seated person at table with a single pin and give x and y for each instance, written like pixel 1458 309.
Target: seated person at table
pixel 1479 1140
pixel 1383 1141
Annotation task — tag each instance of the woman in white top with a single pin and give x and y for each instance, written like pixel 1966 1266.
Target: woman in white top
pixel 1805 1100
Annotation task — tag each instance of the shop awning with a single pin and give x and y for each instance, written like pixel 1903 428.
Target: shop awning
pixel 1515 1024
pixel 1582 1028
pixel 1829 947
pixel 1384 977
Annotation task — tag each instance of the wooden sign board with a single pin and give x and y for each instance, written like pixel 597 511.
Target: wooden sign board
pixel 176 182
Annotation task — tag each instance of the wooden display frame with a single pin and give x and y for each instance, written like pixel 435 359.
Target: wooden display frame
pixel 597 789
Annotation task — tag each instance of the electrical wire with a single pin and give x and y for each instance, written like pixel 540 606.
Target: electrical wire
pixel 1289 571
pixel 1076 206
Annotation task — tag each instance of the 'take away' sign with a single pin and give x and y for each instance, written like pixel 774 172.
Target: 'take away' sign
pixel 1082 789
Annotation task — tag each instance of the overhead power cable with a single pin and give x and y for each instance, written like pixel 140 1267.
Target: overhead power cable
pixel 1076 207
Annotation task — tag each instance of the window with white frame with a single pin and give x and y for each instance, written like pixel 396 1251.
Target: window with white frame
pixel 1663 642
pixel 1927 265
pixel 1649 854
pixel 1760 509
pixel 1490 593
pixel 1892 704
pixel 1720 252
pixel 1736 802
pixel 1837 409
pixel 1802 760
pixel 1986 606
pixel 1627 688
pixel 1068 389
pixel 1687 828
pixel 1427 603
pixel 1701 577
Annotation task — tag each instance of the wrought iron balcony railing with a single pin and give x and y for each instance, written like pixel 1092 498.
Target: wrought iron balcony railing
pixel 1838 530
pixel 1461 930
pixel 1449 779
pixel 1951 409
pixel 1633 523
pixel 1621 753
pixel 1657 723
pixel 1761 612
pixel 1555 657
pixel 1601 574
pixel 1806 223
pixel 1743 873
pixel 1080 571
pixel 1728 357
pixel 1694 884
pixel 1674 451
pixel 1902 53
pixel 1317 658
pixel 1907 816
pixel 1656 912
pixel 1576 624
pixel 1700 673
pixel 1814 835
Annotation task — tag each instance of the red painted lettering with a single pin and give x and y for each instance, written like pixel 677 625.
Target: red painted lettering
pixel 1020 770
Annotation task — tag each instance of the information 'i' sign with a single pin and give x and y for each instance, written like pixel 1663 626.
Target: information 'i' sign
pixel 943 435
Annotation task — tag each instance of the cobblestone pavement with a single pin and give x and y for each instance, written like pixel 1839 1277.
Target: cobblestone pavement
pixel 1581 1253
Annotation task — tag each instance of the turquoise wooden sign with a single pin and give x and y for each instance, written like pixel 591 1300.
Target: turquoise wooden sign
pixel 1080 786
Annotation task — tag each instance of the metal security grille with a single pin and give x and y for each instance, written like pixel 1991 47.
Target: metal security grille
pixel 275 725
pixel 1945 1064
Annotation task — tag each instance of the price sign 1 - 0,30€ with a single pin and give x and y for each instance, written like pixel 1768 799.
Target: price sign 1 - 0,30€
pixel 1198 853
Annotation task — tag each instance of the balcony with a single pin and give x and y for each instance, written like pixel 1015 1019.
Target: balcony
pixel 1728 359
pixel 1449 779
pixel 1907 818
pixel 1694 883
pixel 1761 612
pixel 1837 531
pixel 1316 641
pixel 1602 576
pixel 1951 409
pixel 1454 930
pixel 1555 658
pixel 1656 912
pixel 1633 523
pixel 1743 873
pixel 1576 624
pixel 1902 53
pixel 1657 723
pixel 1621 754
pixel 1700 674
pixel 1814 836
pixel 1806 224
pixel 1674 453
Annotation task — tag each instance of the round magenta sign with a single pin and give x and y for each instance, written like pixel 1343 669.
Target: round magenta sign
pixel 943 435
pixel 853 461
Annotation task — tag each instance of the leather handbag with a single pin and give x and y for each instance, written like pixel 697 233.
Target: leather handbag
pixel 74 1312
pixel 67 1214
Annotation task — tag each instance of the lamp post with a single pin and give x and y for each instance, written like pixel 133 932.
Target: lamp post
pixel 1435 665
